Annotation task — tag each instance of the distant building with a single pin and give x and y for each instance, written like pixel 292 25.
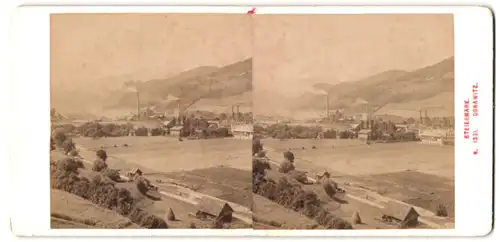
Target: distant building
pixel 214 209
pixel 243 131
pixel 175 131
pixel 401 128
pixel 364 134
pixel 404 214
pixel 436 137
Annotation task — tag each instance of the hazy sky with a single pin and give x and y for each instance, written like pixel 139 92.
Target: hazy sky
pixel 292 52
pixel 87 49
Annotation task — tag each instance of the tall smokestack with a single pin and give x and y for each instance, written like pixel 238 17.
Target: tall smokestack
pixel 327 107
pixel 138 107
pixel 232 111
pixel 420 113
pixel 178 109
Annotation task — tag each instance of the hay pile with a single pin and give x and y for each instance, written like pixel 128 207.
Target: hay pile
pixel 290 194
pixel 64 176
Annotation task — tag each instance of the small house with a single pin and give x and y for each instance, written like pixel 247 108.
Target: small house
pixel 403 214
pixel 244 131
pixel 364 134
pixel 175 131
pixel 214 209
pixel 432 137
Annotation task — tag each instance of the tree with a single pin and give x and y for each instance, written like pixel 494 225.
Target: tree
pixel 68 145
pixel 101 154
pixel 222 116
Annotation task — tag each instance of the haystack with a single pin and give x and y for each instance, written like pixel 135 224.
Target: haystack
pixel 356 219
pixel 171 215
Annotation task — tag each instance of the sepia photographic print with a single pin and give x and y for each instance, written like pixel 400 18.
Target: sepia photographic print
pixel 353 121
pixel 151 121
pixel 340 121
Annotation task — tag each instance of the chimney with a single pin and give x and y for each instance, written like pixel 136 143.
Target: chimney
pixel 232 111
pixel 420 113
pixel 327 107
pixel 178 109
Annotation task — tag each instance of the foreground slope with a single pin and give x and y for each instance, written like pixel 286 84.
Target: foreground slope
pixel 70 211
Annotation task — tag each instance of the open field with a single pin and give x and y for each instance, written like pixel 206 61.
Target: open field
pixel 354 157
pixel 417 174
pixel 167 154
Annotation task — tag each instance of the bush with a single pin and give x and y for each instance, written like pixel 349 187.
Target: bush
pixel 68 145
pixel 112 174
pixel 286 166
pixel 157 132
pixel 256 146
pixel 101 154
pixel 291 195
pixel 73 153
pixel 259 165
pixel 59 137
pixel 147 220
pixel 69 164
pixel 142 185
pixel 99 165
pixel 104 194
pixel 288 155
pixel 441 211
pixel 142 131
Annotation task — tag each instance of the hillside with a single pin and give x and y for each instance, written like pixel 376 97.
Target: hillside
pixel 70 211
pixel 191 86
pixel 431 86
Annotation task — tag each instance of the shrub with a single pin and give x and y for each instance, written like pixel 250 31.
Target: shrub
pixel 338 223
pixel 99 165
pixel 291 195
pixel 142 131
pixel 256 146
pixel 441 211
pixel 101 154
pixel 260 165
pixel 104 194
pixel 59 137
pixel 68 145
pixel 112 174
pixel 69 164
pixel 288 155
pixel 142 185
pixel 157 132
pixel 146 220
pixel 286 166
pixel 73 153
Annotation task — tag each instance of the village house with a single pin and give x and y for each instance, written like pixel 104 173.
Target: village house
pixel 364 134
pixel 176 131
pixel 403 214
pixel 214 209
pixel 242 131
pixel 435 137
